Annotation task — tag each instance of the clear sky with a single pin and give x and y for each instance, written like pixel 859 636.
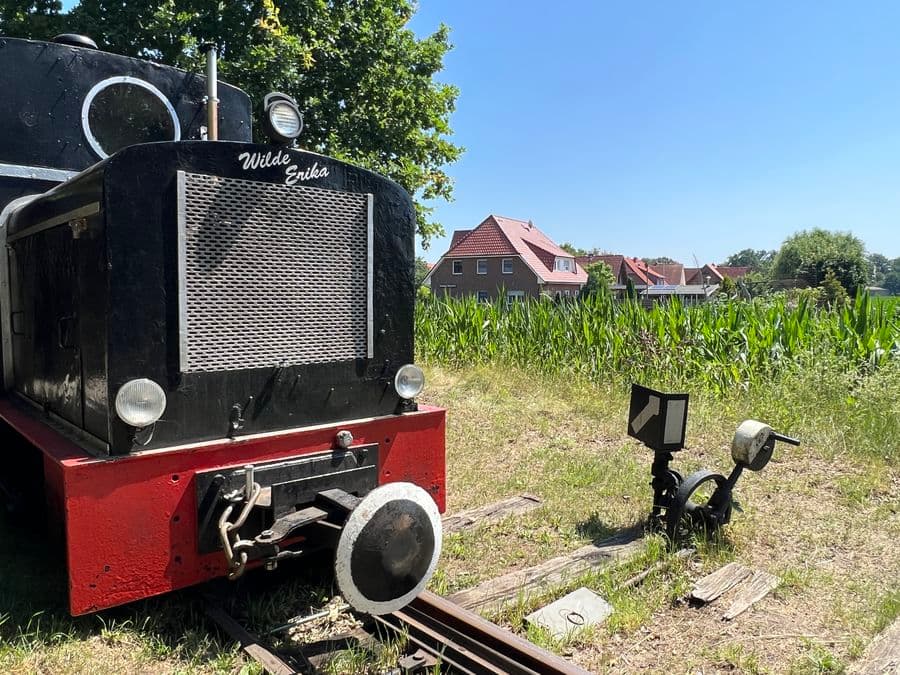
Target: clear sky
pixel 675 128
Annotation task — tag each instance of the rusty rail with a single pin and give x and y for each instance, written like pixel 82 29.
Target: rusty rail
pixel 454 637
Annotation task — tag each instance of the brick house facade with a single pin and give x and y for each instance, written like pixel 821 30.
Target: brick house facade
pixel 505 256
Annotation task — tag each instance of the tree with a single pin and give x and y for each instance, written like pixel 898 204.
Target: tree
pixel 421 270
pixel 878 267
pixel 808 255
pixel 600 278
pixel 662 260
pixel 573 250
pixel 728 287
pixel 835 294
pixel 892 278
pixel 39 18
pixel 758 260
pixel 364 81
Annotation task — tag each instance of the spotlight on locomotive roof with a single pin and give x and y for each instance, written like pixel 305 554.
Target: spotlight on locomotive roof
pixel 282 121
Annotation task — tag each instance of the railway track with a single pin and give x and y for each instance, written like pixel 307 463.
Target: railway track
pixel 460 641
pixel 442 636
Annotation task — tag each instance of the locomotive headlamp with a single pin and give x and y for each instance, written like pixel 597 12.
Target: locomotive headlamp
pixel 409 381
pixel 140 403
pixel 282 120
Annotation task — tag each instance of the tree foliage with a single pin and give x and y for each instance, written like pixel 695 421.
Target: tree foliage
pixel 421 270
pixel 572 249
pixel 661 260
pixel 364 81
pixel 809 254
pixel 758 260
pixel 878 267
pixel 600 279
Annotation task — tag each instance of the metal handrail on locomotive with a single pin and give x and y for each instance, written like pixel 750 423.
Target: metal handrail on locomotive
pixel 207 343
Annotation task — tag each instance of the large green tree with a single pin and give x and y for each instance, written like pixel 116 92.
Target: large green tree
pixel 809 254
pixel 758 260
pixel 878 267
pixel 891 279
pixel 365 82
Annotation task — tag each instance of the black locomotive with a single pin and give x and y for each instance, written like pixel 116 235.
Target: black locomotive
pixel 218 330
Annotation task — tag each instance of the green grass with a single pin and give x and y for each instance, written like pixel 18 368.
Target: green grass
pixel 537 399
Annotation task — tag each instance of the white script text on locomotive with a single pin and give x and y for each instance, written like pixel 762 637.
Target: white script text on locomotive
pixel 293 174
pixel 258 160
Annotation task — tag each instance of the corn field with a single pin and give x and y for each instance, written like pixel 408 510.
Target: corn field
pixel 718 344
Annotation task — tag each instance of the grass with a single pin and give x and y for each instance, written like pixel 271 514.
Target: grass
pixel 825 517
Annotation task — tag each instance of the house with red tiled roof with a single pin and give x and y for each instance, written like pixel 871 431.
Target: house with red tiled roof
pixel 673 273
pixel 504 255
pixel 713 274
pixel 626 270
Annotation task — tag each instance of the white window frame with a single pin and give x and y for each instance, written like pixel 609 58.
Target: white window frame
pixel 453 267
pixel 514 296
pixel 563 265
pixel 503 265
pixel 483 296
pixel 478 264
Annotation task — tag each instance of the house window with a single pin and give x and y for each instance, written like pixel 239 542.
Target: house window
pixel 482 266
pixel 507 266
pixel 482 296
pixel 564 264
pixel 457 267
pixel 514 296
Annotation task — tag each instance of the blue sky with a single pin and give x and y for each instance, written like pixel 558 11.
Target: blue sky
pixel 675 128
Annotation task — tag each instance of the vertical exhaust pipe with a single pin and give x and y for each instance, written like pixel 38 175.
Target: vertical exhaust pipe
pixel 212 94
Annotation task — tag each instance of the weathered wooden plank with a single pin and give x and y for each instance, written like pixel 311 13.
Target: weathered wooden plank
pixel 490 513
pixel 722 580
pixel 882 655
pixel 493 594
pixel 271 662
pixel 754 590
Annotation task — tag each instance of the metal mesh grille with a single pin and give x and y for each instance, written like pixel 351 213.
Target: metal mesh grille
pixel 271 274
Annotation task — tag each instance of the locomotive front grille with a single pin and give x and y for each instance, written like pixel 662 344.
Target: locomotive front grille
pixel 271 275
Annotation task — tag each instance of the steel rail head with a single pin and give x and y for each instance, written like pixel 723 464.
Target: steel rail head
pixel 493 637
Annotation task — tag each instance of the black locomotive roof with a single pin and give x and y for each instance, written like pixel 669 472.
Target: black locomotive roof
pixel 66 107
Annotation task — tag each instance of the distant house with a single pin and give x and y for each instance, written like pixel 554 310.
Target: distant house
pixel 504 255
pixel 688 293
pixel 626 270
pixel 713 274
pixel 673 273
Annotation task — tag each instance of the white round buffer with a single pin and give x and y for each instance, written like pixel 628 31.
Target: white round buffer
pixel 389 548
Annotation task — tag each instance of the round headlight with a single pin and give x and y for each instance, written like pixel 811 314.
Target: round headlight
pixel 409 381
pixel 282 121
pixel 286 119
pixel 140 402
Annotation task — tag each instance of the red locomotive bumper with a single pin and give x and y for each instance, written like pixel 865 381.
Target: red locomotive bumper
pixel 130 522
